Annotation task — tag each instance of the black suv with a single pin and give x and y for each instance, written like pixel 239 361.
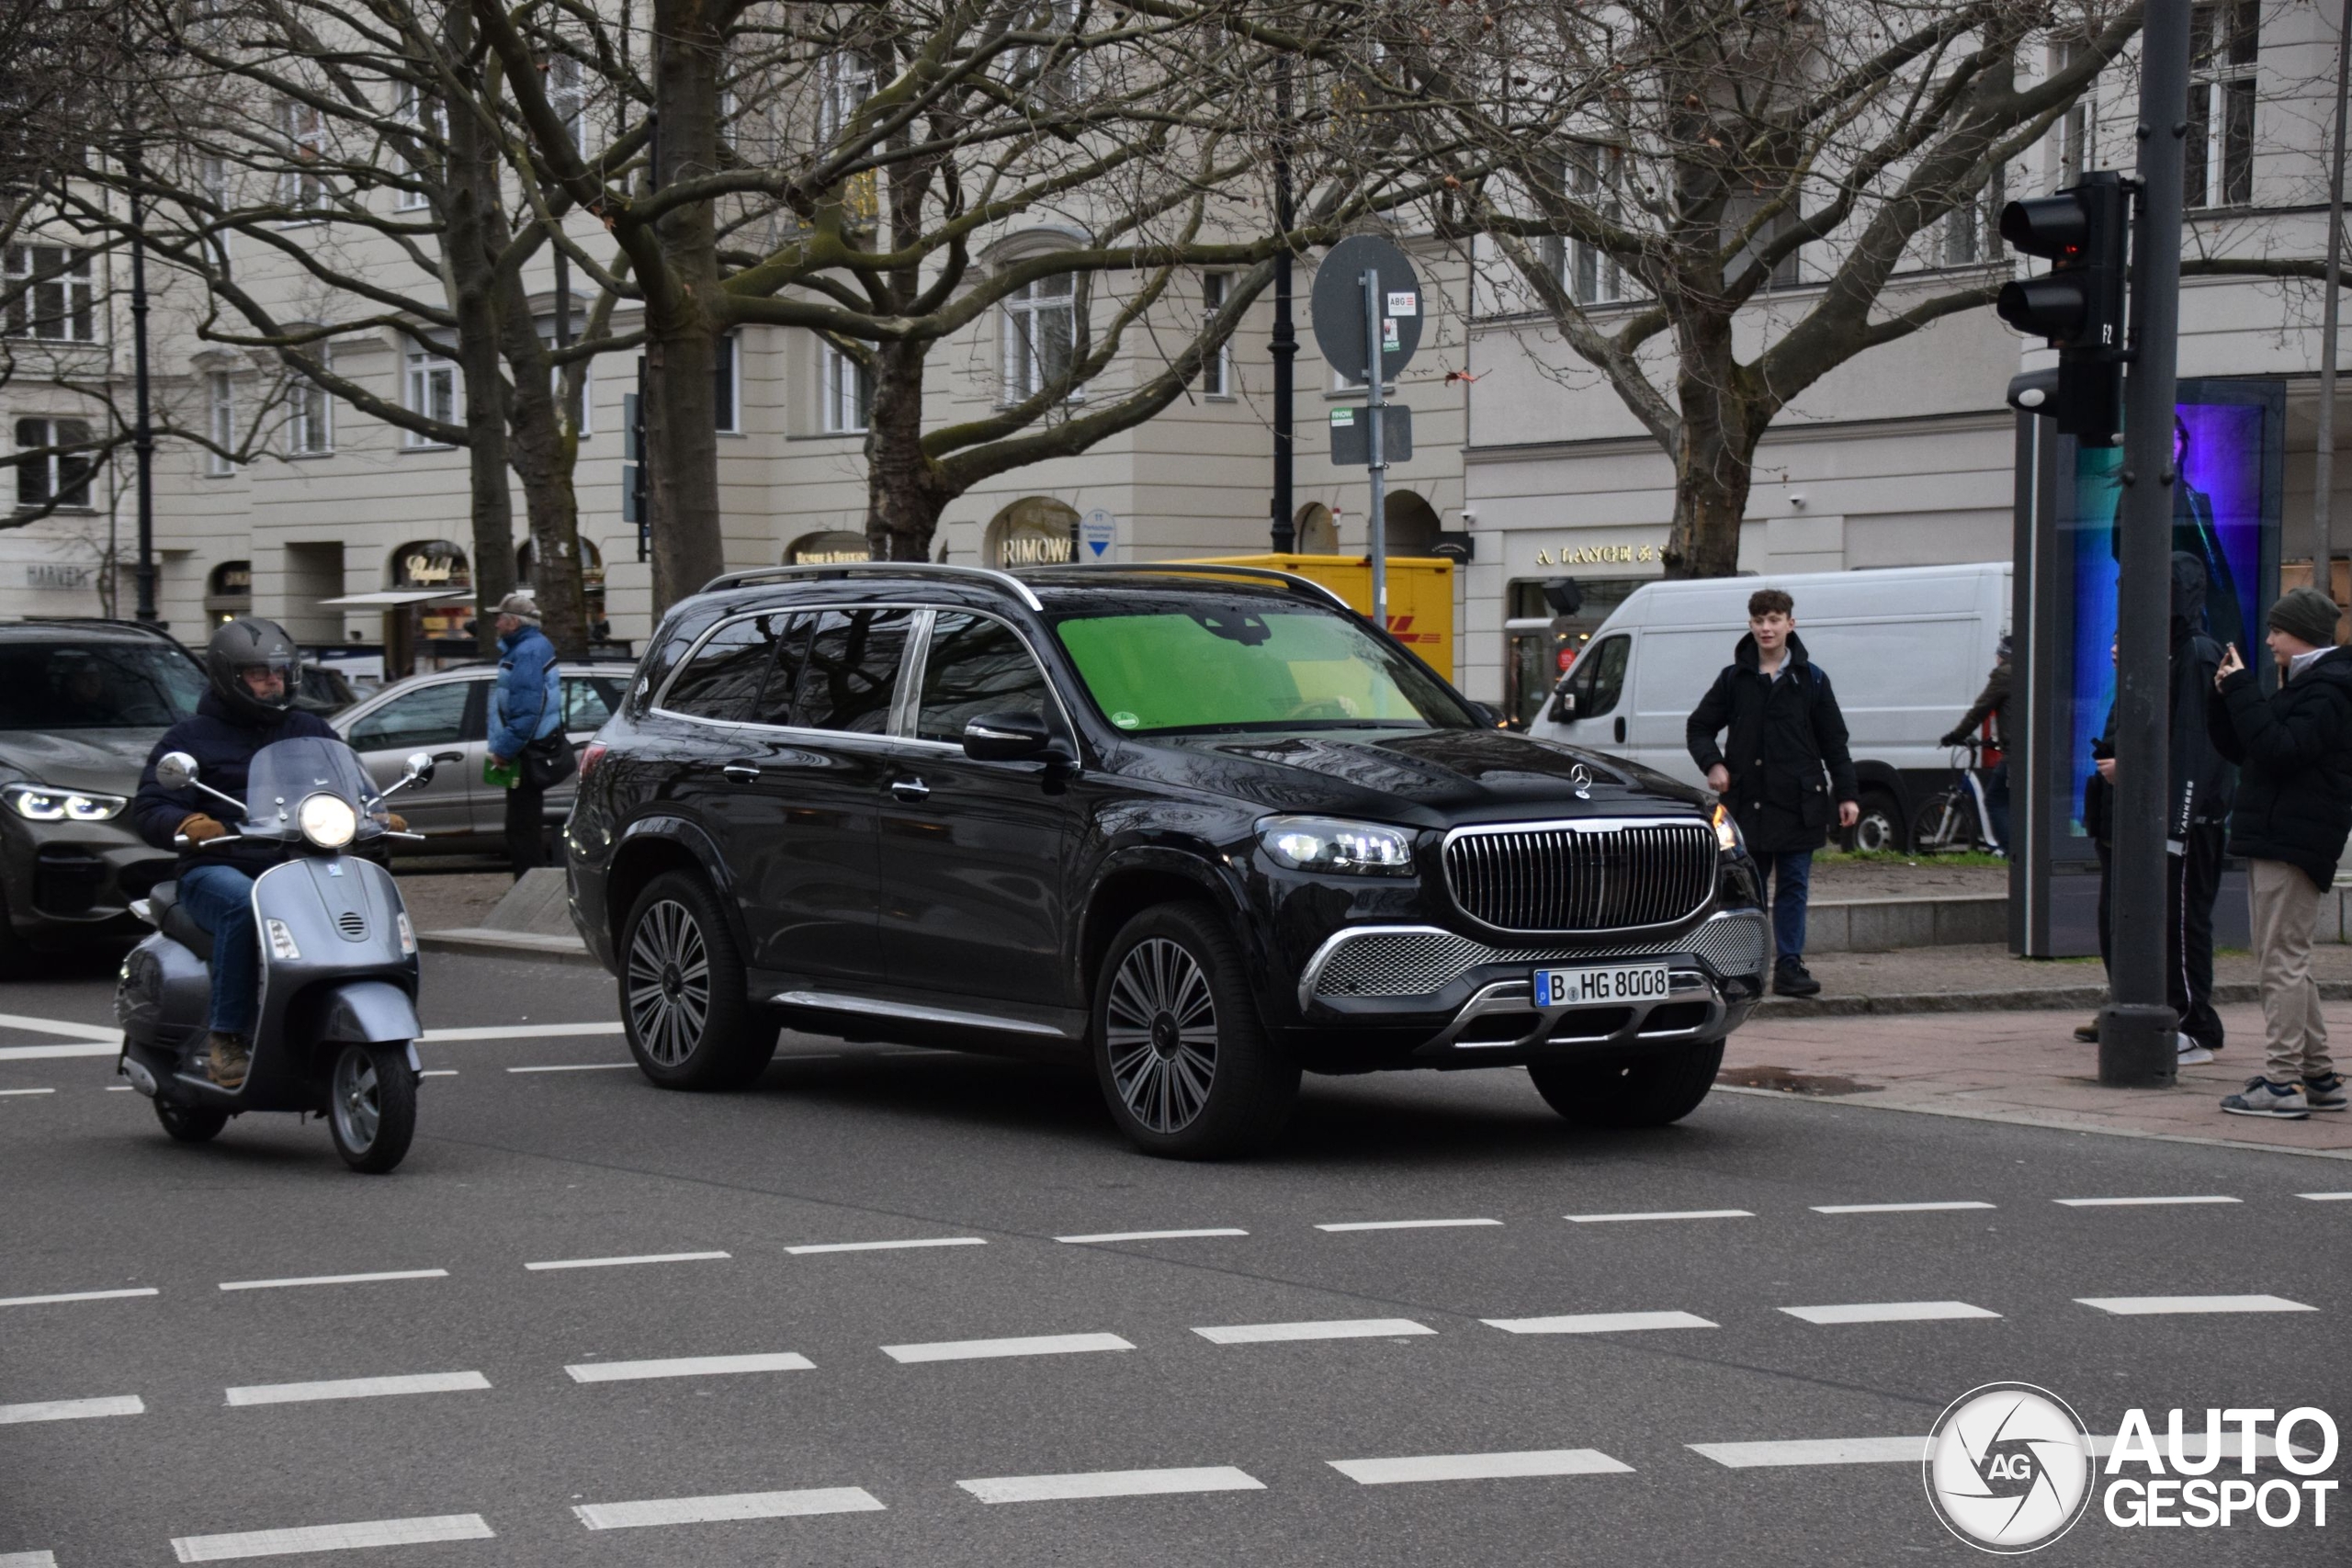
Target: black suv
pixel 1205 827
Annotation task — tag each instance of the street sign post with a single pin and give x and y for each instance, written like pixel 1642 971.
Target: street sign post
pixel 1098 531
pixel 1367 312
pixel 1352 435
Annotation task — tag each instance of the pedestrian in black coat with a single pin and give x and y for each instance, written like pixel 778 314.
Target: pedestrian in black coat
pixel 1785 763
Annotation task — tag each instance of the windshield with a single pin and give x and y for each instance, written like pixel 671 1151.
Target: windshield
pixel 288 771
pixel 1250 664
pixel 95 686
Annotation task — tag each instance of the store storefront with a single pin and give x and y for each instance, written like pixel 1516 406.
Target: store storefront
pixel 832 546
pixel 1541 639
pixel 1033 531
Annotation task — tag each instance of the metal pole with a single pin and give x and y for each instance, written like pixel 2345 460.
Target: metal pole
pixel 2323 453
pixel 143 429
pixel 2136 1036
pixel 1285 343
pixel 1379 519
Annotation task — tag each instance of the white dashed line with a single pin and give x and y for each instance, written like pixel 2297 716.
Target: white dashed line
pixel 1151 1236
pixel 1892 1208
pixel 356 1388
pixel 2138 1203
pixel 576 1067
pixel 53 1053
pixel 1888 1311
pixel 982 1349
pixel 28 1559
pixel 2326 1197
pixel 625 1263
pixel 1110 1484
pixel 734 1506
pixel 2151 1306
pixel 1815 1450
pixel 1662 1214
pixel 1405 1224
pixel 1598 1323
pixel 521 1032
pixel 111 1088
pixel 1479 1467
pixel 438 1072
pixel 330 1538
pixel 1336 1329
pixel 333 1280
pixel 888 1245
pixel 9 1093
pixel 76 1296
pixel 72 1409
pixel 689 1367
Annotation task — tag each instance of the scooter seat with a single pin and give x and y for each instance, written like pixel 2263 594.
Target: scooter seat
pixel 163 903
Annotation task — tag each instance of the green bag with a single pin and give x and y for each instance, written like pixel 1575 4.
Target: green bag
pixel 498 777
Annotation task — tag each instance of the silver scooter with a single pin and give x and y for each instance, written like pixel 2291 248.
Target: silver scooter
pixel 337 1020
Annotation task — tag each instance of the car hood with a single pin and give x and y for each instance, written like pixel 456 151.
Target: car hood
pixel 106 761
pixel 1434 776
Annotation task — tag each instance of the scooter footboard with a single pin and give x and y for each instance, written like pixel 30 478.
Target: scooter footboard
pixel 369 1011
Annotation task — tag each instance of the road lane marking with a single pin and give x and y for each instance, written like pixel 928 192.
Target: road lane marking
pixel 1662 1214
pixel 1815 1450
pixel 1888 1311
pixel 1598 1323
pixel 1151 1236
pixel 6 1093
pixel 2149 1307
pixel 520 1031
pixel 732 1506
pixel 28 1559
pixel 330 1538
pixel 65 1027
pixel 576 1067
pixel 333 1280
pixel 689 1367
pixel 1479 1467
pixel 888 1245
pixel 111 1088
pixel 56 1053
pixel 1110 1484
pixel 979 1349
pixel 1894 1208
pixel 356 1388
pixel 1404 1225
pixel 76 1296
pixel 623 1262
pixel 97 1042
pixel 2138 1203
pixel 438 1072
pixel 2326 1196
pixel 72 1409
pixel 1335 1329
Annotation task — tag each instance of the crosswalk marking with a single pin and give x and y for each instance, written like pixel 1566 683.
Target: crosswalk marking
pixel 1888 1311
pixel 1152 1235
pixel 72 1409
pixel 731 1505
pixel 2148 1306
pixel 623 1262
pixel 333 1280
pixel 2141 1202
pixel 75 1296
pixel 1815 1451
pixel 1660 1214
pixel 888 1245
pixel 357 1388
pixel 1335 1329
pixel 1598 1323
pixel 1110 1484
pixel 330 1538
pixel 1479 1467
pixel 982 1349
pixel 1892 1208
pixel 1404 1225
pixel 688 1367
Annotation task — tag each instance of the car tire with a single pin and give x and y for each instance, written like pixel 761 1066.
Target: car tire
pixel 1185 1062
pixel 191 1123
pixel 690 1020
pixel 1662 1087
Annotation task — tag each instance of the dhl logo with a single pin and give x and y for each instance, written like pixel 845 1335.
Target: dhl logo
pixel 1401 628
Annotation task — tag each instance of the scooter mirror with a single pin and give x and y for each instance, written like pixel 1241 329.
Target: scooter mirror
pixel 419 768
pixel 176 769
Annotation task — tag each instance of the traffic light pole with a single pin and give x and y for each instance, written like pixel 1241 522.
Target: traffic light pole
pixel 2136 1035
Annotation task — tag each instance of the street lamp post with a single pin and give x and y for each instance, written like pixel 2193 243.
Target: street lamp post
pixel 143 429
pixel 1285 343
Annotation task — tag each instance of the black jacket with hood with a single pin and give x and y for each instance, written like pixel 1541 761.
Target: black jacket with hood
pixel 223 745
pixel 2200 780
pixel 1786 750
pixel 2294 801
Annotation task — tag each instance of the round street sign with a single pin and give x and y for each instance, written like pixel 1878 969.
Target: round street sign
pixel 1337 305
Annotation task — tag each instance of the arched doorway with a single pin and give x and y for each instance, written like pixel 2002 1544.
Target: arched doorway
pixel 1036 530
pixel 1314 533
pixel 428 636
pixel 1412 523
pixel 831 547
pixel 229 592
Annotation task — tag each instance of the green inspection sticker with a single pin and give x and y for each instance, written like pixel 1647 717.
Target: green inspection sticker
pixel 1125 719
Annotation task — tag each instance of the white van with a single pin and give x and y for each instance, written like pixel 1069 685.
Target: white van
pixel 1907 650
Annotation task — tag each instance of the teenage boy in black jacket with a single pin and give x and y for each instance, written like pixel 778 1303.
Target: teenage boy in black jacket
pixel 1787 761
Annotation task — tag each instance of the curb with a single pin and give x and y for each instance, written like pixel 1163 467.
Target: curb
pixel 482 942
pixel 2030 999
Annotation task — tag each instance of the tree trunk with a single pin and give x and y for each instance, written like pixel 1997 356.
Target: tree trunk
pixel 681 358
pixel 546 457
pixel 1714 458
pixel 471 187
pixel 904 493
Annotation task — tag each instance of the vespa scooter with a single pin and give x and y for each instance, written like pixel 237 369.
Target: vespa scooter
pixel 337 1019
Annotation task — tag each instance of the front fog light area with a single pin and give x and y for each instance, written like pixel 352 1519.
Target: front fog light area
pixel 327 820
pixel 1329 844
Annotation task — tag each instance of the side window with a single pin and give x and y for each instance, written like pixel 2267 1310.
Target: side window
pixel 723 679
pixel 850 671
pixel 1599 678
pixel 975 666
pixel 431 715
pixel 791 634
pixel 589 701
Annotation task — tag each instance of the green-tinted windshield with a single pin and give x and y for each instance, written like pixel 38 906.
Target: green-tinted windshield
pixel 1250 664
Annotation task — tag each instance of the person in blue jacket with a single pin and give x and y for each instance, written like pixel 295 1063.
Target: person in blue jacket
pixel 526 707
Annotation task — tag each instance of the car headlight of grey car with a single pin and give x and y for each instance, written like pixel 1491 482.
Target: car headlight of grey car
pixel 39 803
pixel 1335 844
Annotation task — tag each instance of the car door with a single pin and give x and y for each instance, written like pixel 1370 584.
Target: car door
pixel 973 854
pixel 431 718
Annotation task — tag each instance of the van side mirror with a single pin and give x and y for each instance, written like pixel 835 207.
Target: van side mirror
pixel 1564 706
pixel 176 769
pixel 1009 737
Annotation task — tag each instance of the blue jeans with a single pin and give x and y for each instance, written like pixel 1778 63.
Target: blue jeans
pixel 221 899
pixel 1788 878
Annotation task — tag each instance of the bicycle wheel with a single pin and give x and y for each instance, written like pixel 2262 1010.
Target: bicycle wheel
pixel 1940 825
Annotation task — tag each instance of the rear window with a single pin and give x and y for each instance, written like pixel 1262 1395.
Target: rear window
pixel 95 686
pixel 724 677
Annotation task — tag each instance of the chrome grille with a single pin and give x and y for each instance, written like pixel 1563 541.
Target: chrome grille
pixel 352 924
pixel 1423 963
pixel 1732 947
pixel 1578 878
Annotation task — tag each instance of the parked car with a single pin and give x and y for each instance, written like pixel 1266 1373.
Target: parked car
pixel 82 703
pixel 323 690
pixel 1907 649
pixel 447 714
pixel 1203 826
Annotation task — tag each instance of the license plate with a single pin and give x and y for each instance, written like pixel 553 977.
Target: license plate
pixel 1590 988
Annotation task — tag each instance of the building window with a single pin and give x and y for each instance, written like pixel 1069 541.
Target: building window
pixel 1590 275
pixel 849 393
pixel 301 185
pixel 428 123
pixel 849 82
pixel 221 422
pixel 587 392
pixel 432 391
pixel 2223 42
pixel 53 477
pixel 53 294
pixel 1040 335
pixel 726 385
pixel 2078 129
pixel 219 190
pixel 568 95
pixel 1788 272
pixel 1973 230
pixel 1216 370
pixel 310 420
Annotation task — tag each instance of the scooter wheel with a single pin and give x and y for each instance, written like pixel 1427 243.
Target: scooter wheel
pixel 371 1106
pixel 191 1123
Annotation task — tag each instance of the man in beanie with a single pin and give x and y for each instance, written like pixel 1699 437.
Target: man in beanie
pixel 526 710
pixel 2295 808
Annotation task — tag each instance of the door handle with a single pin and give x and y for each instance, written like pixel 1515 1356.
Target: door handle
pixel 739 772
pixel 1621 730
pixel 910 790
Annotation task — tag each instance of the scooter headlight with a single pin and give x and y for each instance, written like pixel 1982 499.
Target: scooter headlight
pixel 327 820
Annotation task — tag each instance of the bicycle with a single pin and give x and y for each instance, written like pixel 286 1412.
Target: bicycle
pixel 1957 818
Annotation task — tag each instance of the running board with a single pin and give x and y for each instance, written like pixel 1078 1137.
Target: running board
pixel 832 1001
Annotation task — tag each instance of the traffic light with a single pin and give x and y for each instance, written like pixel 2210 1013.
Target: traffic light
pixel 2079 305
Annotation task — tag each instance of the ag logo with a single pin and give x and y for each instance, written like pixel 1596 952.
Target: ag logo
pixel 2008 1468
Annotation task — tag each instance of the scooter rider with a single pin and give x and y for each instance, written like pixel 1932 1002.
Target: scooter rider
pixel 252 666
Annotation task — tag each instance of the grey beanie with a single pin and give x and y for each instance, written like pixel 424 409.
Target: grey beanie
pixel 2306 614
pixel 522 606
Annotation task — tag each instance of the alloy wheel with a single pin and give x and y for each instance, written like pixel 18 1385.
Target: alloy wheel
pixel 1162 1030
pixel 357 1100
pixel 669 983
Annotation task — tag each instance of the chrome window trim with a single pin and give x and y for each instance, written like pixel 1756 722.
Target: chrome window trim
pixel 715 628
pixel 1044 673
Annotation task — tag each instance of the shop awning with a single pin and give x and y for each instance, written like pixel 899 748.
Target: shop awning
pixel 393 598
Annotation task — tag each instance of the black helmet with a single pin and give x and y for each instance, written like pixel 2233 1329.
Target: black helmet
pixel 245 645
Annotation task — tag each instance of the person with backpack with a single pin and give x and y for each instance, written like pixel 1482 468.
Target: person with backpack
pixel 526 729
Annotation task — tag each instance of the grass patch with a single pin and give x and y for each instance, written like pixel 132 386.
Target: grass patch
pixel 1889 857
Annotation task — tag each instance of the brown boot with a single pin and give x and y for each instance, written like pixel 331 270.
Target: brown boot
pixel 2087 1032
pixel 227 1057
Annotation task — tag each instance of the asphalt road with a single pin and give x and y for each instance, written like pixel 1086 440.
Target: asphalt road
pixel 515 1428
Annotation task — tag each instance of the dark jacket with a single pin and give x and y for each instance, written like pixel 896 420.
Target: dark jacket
pixel 2201 779
pixel 223 748
pixel 1992 702
pixel 527 701
pixel 1786 750
pixel 2294 800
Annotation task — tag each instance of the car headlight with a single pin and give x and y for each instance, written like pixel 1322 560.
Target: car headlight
pixel 39 803
pixel 1326 843
pixel 1726 830
pixel 327 820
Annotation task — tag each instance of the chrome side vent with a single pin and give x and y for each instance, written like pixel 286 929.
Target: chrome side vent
pixel 1583 877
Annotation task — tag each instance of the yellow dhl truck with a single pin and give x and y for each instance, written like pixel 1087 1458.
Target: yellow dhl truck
pixel 1420 594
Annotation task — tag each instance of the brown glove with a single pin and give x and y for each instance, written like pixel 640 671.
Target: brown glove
pixel 395 821
pixel 197 828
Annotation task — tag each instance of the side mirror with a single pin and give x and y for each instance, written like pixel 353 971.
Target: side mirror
pixel 176 769
pixel 418 769
pixel 1563 707
pixel 1010 737
pixel 1487 715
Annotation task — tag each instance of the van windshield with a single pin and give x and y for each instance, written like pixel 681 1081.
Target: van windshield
pixel 1244 664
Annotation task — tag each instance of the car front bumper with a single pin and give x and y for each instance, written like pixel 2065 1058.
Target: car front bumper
pixel 70 883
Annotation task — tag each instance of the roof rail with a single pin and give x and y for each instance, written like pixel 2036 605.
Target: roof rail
pixel 1290 580
pixel 873 568
pixel 147 627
